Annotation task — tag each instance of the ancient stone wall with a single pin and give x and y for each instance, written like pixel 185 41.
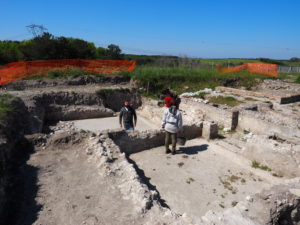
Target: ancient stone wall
pixel 260 123
pixel 55 106
pixel 136 141
pixel 82 80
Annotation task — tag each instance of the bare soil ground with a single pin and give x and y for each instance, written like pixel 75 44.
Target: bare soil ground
pixel 86 182
pixel 71 190
pixel 101 124
pixel 200 177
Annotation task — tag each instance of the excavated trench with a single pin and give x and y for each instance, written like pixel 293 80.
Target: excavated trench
pixel 75 148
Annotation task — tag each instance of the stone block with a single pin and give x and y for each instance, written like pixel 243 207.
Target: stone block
pixel 210 130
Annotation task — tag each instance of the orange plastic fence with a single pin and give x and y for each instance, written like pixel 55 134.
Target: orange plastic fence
pixel 260 68
pixel 25 69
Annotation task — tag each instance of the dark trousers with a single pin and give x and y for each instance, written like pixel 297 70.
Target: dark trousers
pixel 173 137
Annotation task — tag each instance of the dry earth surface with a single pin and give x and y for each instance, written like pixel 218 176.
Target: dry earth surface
pixel 75 176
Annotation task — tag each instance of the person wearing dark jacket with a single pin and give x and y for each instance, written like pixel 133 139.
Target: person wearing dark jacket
pixel 127 114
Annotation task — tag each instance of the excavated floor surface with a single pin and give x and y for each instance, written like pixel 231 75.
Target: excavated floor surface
pixel 65 186
pixel 70 190
pixel 200 177
pixel 101 124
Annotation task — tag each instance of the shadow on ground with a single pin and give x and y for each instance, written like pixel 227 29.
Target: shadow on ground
pixel 22 208
pixel 146 180
pixel 192 150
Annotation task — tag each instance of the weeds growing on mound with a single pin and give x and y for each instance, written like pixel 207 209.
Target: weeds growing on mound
pixel 4 106
pixel 180 78
pixel 183 78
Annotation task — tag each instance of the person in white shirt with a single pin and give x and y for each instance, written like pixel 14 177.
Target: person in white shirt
pixel 172 124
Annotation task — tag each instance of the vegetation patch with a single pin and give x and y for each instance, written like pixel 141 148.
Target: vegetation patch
pixel 189 180
pixel 234 203
pixel 87 197
pixel 5 107
pixel 187 78
pixel 257 165
pixel 230 101
pixel 234 178
pixel 279 174
pixel 297 80
pixel 82 131
pixel 180 164
pixel 227 185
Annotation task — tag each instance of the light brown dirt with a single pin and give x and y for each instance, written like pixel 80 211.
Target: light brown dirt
pixel 71 190
pixel 200 177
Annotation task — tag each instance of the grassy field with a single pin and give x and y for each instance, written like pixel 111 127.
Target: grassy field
pixel 236 62
pixel 230 62
pixel 158 60
pixel 182 78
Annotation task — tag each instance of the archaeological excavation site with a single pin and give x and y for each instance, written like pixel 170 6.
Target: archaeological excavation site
pixel 64 159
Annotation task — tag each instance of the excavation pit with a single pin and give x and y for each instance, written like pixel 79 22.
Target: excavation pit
pixel 200 177
pixel 111 176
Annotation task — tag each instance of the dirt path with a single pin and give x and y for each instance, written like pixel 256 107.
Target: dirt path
pixel 70 190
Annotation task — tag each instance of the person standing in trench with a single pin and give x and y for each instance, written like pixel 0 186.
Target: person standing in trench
pixel 128 115
pixel 172 124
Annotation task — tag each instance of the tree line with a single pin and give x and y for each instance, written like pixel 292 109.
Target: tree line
pixel 46 46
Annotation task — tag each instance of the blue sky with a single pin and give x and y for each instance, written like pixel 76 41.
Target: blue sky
pixel 206 29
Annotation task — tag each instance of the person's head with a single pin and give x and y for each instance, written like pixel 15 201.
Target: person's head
pixel 173 108
pixel 166 91
pixel 126 102
pixel 172 102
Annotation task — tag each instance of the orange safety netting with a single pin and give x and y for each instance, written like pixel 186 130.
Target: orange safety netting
pixel 260 68
pixel 26 69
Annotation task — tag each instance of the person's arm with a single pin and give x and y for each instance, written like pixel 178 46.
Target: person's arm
pixel 180 122
pixel 134 117
pixel 120 117
pixel 164 120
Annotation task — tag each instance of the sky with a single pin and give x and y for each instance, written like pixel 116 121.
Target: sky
pixel 190 28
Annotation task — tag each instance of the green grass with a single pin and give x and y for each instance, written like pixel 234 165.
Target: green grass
pixel 4 106
pixel 236 62
pixel 68 73
pixel 222 205
pixel 82 131
pixel 292 77
pixel 230 101
pixel 186 79
pixel 87 197
pixel 189 180
pixel 182 78
pixel 226 62
pixel 297 80
pixel 257 165
pixel 234 203
pixel 71 73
